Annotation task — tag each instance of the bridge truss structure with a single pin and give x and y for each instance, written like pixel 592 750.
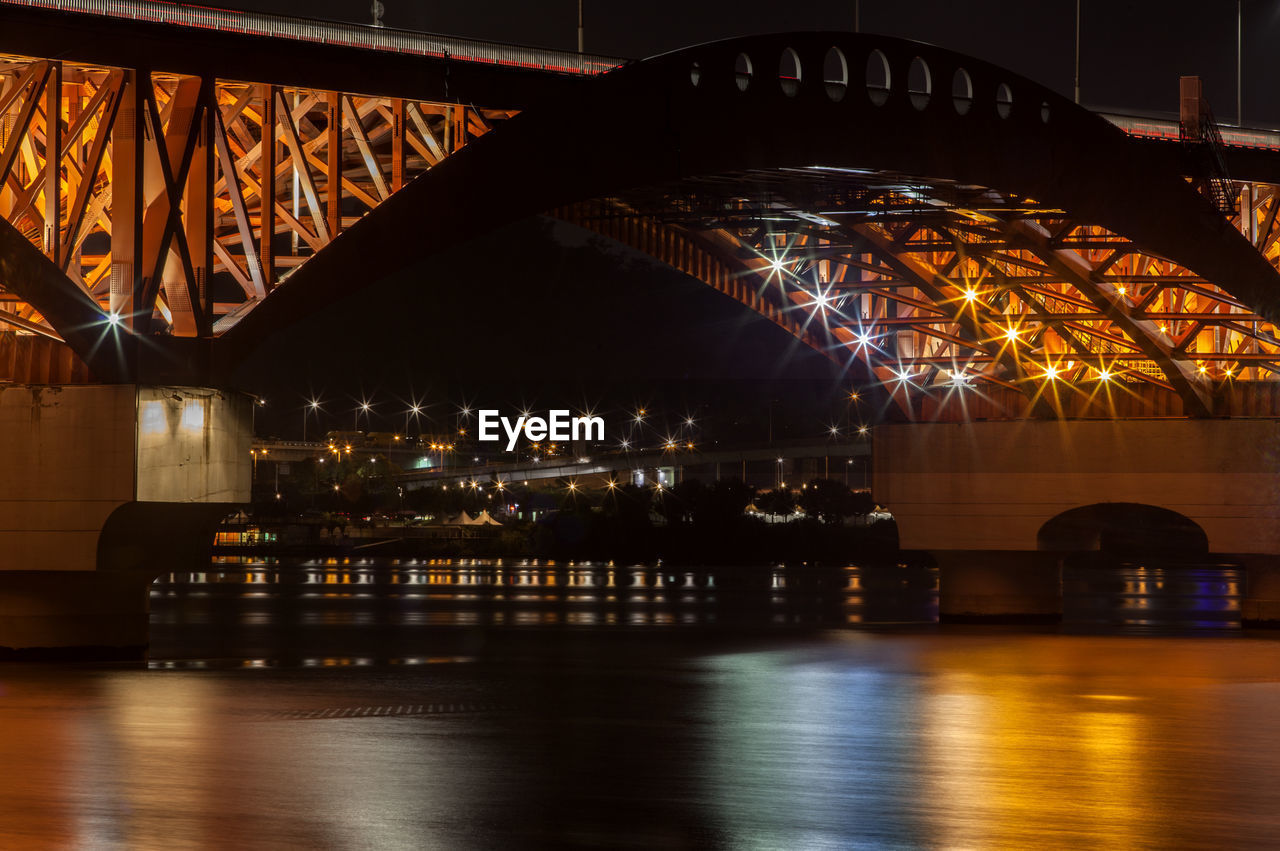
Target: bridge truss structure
pixel 156 185
pixel 169 207
pixel 971 303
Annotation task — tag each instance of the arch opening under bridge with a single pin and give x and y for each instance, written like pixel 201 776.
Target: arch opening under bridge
pixel 1125 530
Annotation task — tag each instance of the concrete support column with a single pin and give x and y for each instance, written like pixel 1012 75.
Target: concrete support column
pixel 999 586
pixel 105 487
pixel 1261 604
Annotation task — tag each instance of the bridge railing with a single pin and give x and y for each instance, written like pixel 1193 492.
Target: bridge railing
pixel 1167 129
pixel 329 32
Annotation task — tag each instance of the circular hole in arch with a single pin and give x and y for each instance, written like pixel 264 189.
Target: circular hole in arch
pixel 695 73
pixel 962 91
pixel 835 74
pixel 789 72
pixel 919 83
pixel 1044 112
pixel 1004 100
pixel 878 78
pixel 742 71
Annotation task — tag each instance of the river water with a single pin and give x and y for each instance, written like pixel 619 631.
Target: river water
pixel 368 705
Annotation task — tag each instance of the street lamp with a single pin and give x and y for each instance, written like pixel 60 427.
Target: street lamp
pixel 258 402
pixel 312 405
pixel 363 408
pixel 414 410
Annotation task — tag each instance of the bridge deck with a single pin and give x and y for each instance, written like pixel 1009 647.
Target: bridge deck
pixel 365 37
pixel 227 45
pixel 1250 153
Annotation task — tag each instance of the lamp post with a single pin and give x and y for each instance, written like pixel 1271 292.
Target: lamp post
pixel 414 410
pixel 312 405
pixel 258 402
pixel 1077 51
pixel 363 408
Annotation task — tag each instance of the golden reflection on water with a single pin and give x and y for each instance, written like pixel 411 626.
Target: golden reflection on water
pixel 1005 748
pixel 1012 741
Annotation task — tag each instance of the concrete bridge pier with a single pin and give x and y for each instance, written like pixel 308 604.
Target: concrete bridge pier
pixel 999 586
pixel 1001 504
pixel 1261 604
pixel 104 488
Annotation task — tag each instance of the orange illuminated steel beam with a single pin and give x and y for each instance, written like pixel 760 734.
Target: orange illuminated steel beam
pixel 182 186
pixel 958 312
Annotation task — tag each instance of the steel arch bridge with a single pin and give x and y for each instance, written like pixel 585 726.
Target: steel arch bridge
pixel 969 240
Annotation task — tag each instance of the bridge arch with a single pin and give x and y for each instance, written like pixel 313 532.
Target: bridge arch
pixel 1124 529
pixel 1001 236
pixel 678 143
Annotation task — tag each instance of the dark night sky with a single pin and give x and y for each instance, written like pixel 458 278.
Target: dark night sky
pixel 1132 52
pixel 542 314
pixel 517 317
